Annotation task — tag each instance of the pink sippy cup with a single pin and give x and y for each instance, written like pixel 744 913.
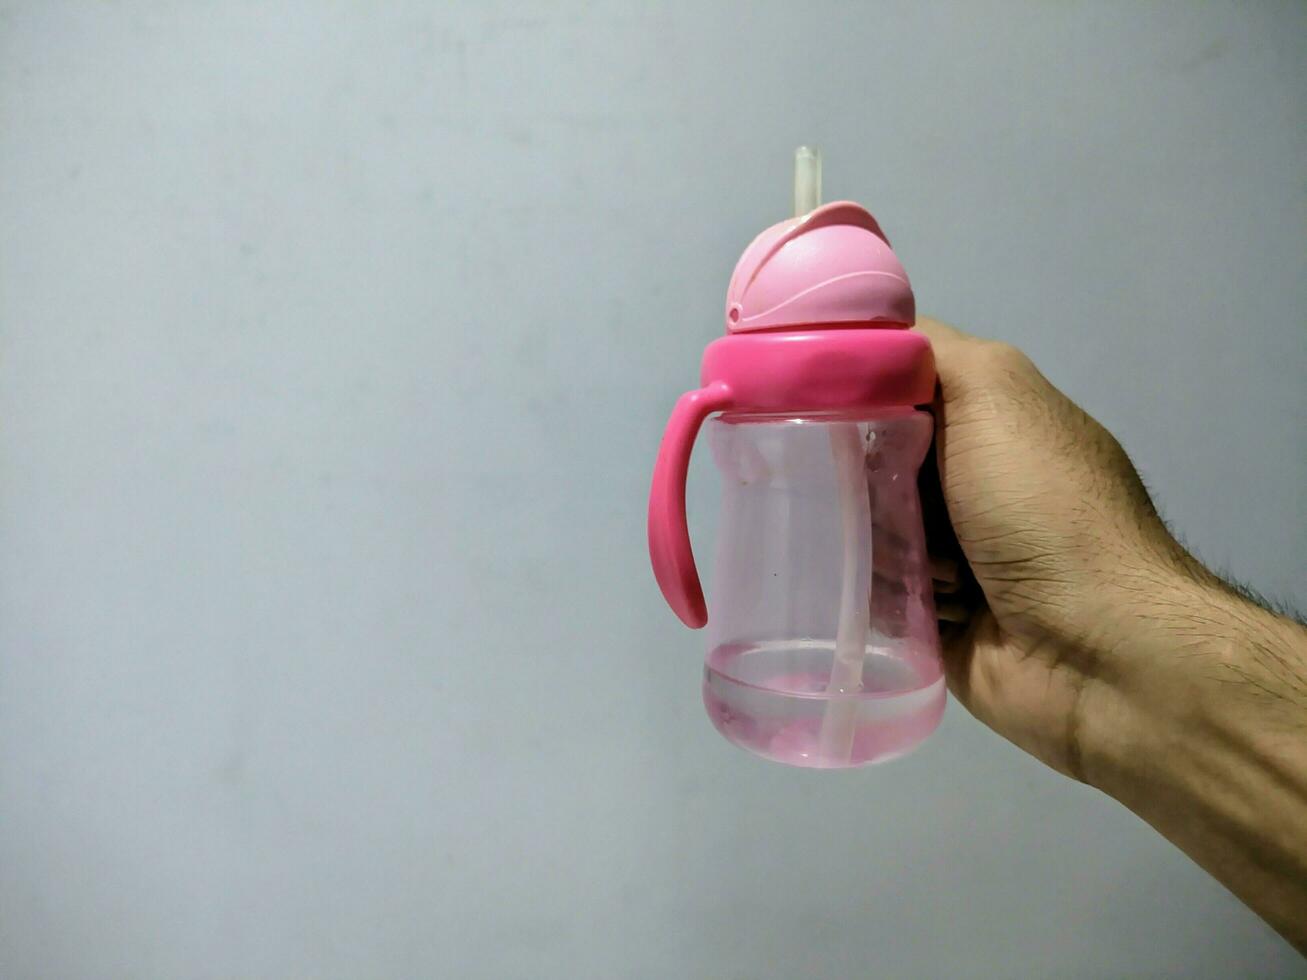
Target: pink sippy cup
pixel 823 649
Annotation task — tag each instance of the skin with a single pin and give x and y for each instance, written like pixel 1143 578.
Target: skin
pixel 1077 627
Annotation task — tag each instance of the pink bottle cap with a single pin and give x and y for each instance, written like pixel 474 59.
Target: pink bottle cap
pixel 830 266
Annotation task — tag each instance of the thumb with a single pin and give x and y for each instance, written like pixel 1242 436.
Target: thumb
pixel 956 355
pixel 940 333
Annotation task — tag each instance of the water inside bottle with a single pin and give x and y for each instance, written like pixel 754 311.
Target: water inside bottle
pixel 771 698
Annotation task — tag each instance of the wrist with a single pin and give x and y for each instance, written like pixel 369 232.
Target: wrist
pixel 1190 672
pixel 1200 716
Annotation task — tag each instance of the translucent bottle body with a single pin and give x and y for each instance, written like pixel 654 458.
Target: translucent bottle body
pixel 823 644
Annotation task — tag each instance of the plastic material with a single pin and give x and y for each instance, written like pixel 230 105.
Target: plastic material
pixel 669 536
pixel 807 179
pixel 823 646
pixel 811 371
pixel 831 266
pixel 780 580
pixel 822 370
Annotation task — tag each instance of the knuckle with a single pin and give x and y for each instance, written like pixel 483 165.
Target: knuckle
pixel 1005 357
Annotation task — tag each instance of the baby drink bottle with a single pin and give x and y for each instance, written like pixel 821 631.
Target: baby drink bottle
pixel 823 649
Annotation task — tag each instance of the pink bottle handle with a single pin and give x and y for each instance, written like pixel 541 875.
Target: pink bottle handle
pixel 669 535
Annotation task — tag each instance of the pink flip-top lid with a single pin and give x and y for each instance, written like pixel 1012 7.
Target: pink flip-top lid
pixel 830 266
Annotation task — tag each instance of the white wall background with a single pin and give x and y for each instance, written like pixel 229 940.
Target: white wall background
pixel 337 340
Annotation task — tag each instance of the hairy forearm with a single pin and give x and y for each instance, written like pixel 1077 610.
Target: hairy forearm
pixel 1208 740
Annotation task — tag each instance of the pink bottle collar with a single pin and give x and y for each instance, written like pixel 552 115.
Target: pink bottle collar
pixel 817 370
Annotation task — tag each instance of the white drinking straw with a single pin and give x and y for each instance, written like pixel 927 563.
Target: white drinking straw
pixel 839 722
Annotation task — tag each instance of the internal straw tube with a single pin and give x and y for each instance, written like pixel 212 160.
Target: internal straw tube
pixel 839 722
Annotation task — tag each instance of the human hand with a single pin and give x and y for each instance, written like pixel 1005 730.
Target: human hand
pixel 1080 629
pixel 1054 534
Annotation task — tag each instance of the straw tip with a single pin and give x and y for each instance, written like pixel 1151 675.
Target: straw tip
pixel 807 179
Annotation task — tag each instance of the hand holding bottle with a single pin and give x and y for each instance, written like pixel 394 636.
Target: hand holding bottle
pixel 1082 631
